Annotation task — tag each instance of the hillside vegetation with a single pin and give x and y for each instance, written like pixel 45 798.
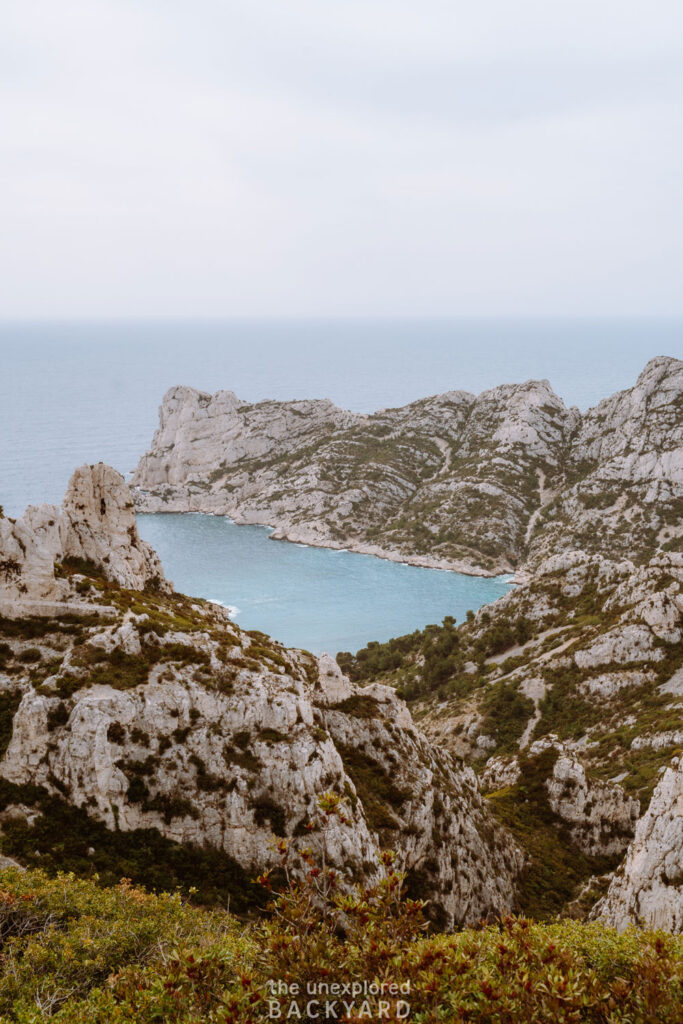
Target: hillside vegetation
pixel 566 695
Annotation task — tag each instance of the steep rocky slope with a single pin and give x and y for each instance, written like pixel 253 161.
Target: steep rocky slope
pixel 567 695
pixel 96 523
pixel 447 480
pixel 648 887
pixel 150 710
pixel 482 484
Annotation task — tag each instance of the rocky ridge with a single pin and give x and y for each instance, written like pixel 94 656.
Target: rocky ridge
pixel 482 484
pixel 149 710
pixel 599 816
pixel 566 696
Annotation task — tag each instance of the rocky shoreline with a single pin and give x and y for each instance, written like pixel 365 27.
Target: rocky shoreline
pixel 526 759
pixel 149 505
pixel 150 710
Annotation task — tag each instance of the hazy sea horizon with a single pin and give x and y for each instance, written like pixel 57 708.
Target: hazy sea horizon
pixel 83 392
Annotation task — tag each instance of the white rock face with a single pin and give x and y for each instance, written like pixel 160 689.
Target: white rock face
pixel 229 770
pixel 627 454
pixel 328 477
pixel 499 773
pixel 609 683
pixel 647 890
pixel 495 480
pixel 200 433
pixel 623 644
pixel 631 433
pixel 96 523
pixel 29 547
pixel 213 738
pixel 100 527
pixel 600 815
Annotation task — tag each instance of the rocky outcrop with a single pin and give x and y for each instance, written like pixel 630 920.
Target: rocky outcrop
pixel 29 547
pixel 598 665
pixel 480 484
pixel 624 477
pixel 101 528
pixel 647 889
pixel 599 816
pixel 95 524
pixel 565 695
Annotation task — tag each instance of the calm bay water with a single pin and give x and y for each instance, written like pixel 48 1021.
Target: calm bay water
pixel 307 597
pixel 74 393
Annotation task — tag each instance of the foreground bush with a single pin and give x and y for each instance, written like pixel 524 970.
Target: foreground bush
pixel 76 953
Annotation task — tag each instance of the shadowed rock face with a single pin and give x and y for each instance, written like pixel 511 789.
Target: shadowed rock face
pixel 229 770
pixel 159 712
pixel 599 816
pixel 96 524
pixel 647 890
pixel 482 484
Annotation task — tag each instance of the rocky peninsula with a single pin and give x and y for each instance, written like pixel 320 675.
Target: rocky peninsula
pixel 483 484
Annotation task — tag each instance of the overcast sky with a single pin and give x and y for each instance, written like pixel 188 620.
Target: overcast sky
pixel 340 157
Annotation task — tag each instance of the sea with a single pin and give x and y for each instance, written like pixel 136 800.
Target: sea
pixel 88 391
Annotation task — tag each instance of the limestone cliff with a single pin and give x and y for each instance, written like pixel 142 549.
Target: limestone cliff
pixel 623 487
pixel 566 694
pixel 151 710
pixel 481 484
pixel 599 816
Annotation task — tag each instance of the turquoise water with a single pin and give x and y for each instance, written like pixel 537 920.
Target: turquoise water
pixel 307 597
pixel 74 393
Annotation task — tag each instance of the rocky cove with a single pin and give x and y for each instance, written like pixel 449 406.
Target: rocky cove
pixel 151 710
pixel 319 598
pixel 524 759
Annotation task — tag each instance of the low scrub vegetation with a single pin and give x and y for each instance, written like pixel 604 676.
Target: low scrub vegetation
pixel 76 953
pixel 556 869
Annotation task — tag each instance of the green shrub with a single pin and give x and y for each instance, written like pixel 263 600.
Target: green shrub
pixel 116 733
pixel 359 705
pixel 266 810
pixel 57 716
pixel 30 656
pixel 556 868
pixel 377 791
pixel 506 713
